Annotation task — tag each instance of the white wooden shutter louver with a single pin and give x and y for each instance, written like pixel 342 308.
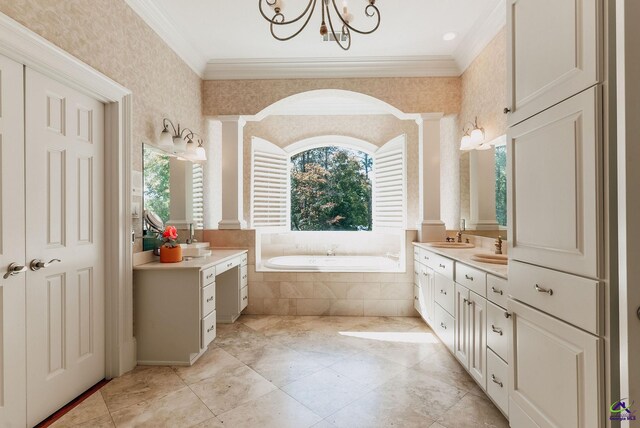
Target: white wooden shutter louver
pixel 198 196
pixel 389 195
pixel 269 185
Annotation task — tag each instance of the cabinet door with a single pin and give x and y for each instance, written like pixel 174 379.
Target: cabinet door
pixel 478 339
pixel 556 371
pixel 555 163
pixel 462 331
pixel 554 50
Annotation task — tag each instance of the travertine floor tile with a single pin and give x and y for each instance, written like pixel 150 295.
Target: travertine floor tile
pixel 213 362
pixel 473 411
pixel 91 408
pixel 367 369
pixel 274 410
pixel 179 409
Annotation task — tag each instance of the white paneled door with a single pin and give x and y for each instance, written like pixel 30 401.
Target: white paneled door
pixel 64 216
pixel 12 246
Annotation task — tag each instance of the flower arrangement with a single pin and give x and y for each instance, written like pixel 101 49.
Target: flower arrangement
pixel 170 251
pixel 169 237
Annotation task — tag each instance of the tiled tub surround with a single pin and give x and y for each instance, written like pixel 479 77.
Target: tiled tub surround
pixel 322 293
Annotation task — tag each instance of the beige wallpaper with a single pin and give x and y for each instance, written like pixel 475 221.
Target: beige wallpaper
pixel 110 37
pixel 411 95
pixel 376 129
pixel 484 94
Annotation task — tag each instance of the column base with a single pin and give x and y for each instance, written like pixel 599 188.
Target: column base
pixel 432 231
pixel 232 224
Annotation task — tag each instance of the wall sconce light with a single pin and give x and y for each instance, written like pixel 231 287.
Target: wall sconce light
pixel 182 141
pixel 473 137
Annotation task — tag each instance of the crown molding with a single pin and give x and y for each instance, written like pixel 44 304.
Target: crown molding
pixel 169 33
pixel 296 68
pixel 480 36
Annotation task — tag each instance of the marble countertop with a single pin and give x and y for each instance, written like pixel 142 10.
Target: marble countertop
pixel 464 255
pixel 216 257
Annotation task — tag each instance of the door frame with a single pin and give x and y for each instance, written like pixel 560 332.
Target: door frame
pixel 26 47
pixel 628 110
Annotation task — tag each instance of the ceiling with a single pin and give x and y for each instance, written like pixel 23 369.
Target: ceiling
pixel 230 39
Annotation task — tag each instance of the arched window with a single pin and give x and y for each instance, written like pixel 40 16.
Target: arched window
pixel 328 183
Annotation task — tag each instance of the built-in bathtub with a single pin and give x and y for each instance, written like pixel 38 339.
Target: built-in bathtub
pixel 333 264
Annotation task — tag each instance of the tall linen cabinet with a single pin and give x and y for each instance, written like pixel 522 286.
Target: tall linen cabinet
pixel 558 274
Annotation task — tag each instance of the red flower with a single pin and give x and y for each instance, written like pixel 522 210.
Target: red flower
pixel 170 233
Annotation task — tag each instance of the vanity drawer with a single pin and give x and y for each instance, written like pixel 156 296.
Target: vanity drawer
pixel 244 276
pixel 426 257
pixel 244 297
pixel 441 265
pixel 243 259
pixel 416 254
pixel 208 299
pixel 208 276
pixel 229 264
pixel 445 292
pixel 498 381
pixel 497 290
pixel 444 326
pixel 571 298
pixel 208 329
pixel 474 279
pixel 498 330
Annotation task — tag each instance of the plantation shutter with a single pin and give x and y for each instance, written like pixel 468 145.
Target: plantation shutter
pixel 198 196
pixel 389 189
pixel 269 185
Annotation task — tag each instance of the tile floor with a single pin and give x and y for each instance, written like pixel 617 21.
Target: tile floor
pixel 270 371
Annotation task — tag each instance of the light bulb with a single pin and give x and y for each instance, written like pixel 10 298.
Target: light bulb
pixel 179 145
pixel 165 140
pixel 465 143
pixel 201 154
pixel 477 137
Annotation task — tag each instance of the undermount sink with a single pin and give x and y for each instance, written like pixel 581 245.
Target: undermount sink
pixel 450 245
pixel 197 249
pixel 496 259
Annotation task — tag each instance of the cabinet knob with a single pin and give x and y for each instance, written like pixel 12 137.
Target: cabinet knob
pixel 507 315
pixel 506 110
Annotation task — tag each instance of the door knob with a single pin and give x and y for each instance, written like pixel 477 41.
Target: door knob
pixel 14 269
pixel 37 264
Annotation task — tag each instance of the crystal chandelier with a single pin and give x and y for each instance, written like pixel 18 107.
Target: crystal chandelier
pixel 340 32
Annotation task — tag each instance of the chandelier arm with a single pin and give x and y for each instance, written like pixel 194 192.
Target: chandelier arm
pixel 164 125
pixel 312 4
pixel 333 32
pixel 284 39
pixel 371 10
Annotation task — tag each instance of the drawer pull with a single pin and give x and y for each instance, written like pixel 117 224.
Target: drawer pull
pixel 426 257
pixel 229 264
pixel 415 297
pixel 244 276
pixel 245 297
pixel 507 315
pixel 496 329
pixel 443 325
pixel 465 300
pixel 495 290
pixel 544 290
pixel 443 292
pixel 210 276
pixel 210 329
pixel 442 266
pixel 210 299
pixel 469 302
pixel 496 381
pixel 470 278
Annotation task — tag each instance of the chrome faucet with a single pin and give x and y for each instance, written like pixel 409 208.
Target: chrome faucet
pixel 498 245
pixel 459 236
pixel 191 238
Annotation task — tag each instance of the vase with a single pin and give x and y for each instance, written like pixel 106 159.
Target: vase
pixel 170 254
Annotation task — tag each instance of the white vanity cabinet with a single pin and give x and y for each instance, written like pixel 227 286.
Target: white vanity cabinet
pixel 178 305
pixel 540 76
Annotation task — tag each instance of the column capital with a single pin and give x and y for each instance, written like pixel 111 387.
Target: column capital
pixel 429 117
pixel 240 120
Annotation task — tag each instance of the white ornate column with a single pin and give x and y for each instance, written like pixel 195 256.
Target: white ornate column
pixel 232 172
pixel 431 226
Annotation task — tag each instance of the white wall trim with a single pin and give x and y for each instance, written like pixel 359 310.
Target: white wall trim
pixel 480 36
pixel 363 99
pixel 172 36
pixel 26 47
pixel 330 140
pixel 300 68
